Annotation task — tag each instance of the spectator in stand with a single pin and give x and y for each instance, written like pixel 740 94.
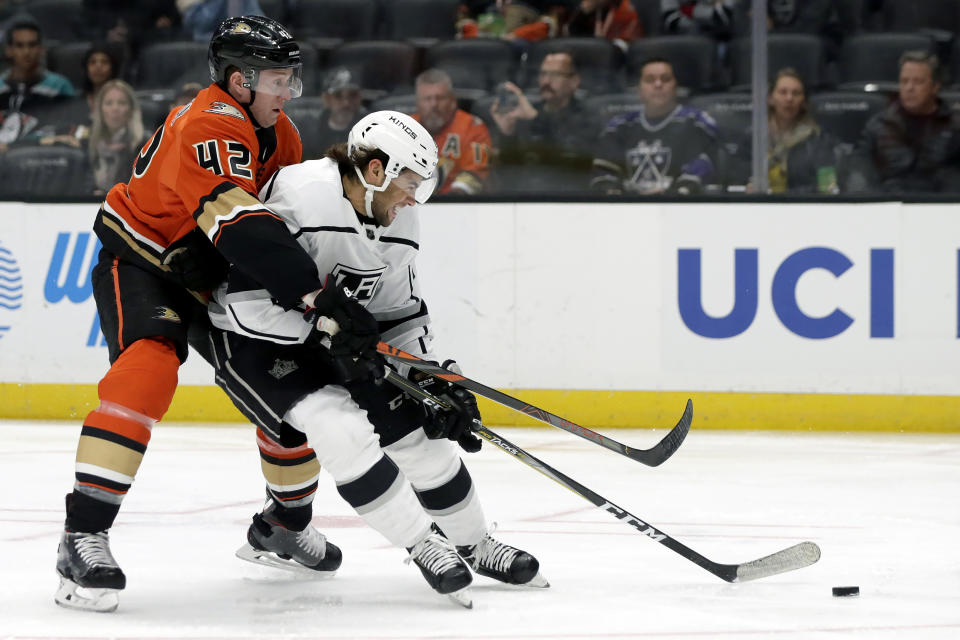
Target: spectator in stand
pixel 201 17
pixel 462 139
pixel 10 12
pixel 664 147
pixel 520 21
pixel 709 17
pixel 913 146
pixel 614 20
pixel 551 135
pixel 798 16
pixel 342 109
pixel 100 64
pixel 26 87
pixel 116 136
pixel 130 25
pixel 801 157
pixel 185 95
pixel 815 17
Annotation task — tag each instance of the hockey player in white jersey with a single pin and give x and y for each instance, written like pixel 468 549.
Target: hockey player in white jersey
pixel 393 460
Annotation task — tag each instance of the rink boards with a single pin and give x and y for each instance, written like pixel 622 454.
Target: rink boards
pixel 779 316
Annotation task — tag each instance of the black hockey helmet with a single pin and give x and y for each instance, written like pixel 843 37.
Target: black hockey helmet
pixel 253 44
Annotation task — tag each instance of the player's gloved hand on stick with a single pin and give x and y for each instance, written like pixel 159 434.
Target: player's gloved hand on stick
pixel 456 423
pixel 349 332
pixel 195 263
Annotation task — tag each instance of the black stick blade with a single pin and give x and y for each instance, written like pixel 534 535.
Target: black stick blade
pixel 662 451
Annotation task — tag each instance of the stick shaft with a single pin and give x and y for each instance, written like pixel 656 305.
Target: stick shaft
pixel 651 457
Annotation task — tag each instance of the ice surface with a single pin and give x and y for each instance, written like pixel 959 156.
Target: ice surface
pixel 885 510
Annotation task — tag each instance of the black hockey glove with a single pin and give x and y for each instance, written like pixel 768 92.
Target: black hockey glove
pixel 456 423
pixel 195 263
pixel 352 342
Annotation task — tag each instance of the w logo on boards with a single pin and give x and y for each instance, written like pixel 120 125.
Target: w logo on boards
pixel 69 275
pixel 11 289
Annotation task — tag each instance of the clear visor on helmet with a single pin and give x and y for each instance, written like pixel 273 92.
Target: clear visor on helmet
pixel 419 188
pixel 286 82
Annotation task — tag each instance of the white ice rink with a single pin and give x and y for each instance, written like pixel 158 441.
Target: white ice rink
pixel 885 510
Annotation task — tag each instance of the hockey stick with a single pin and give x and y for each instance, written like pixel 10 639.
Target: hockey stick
pixel 790 559
pixel 651 457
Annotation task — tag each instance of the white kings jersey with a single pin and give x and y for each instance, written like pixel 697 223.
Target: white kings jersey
pixel 376 263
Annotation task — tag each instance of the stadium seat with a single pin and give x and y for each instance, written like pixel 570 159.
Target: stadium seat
pixel 45 172
pixel 59 20
pixel 383 66
pixel 162 65
pixel 67 60
pixel 312 69
pixel 419 19
pixel 952 98
pixel 475 63
pixel 873 59
pixel 276 9
pixel 154 107
pixel 802 51
pixel 605 107
pixel 404 103
pixel 651 18
pixel 733 113
pixel 843 114
pixel 305 113
pixel 917 15
pixel 693 59
pixel 346 19
pixel 598 60
pixel 952 66
pixel 851 15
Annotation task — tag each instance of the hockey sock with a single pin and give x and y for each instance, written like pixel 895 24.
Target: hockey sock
pixel 386 502
pixel 456 509
pixel 346 445
pixel 88 515
pixel 134 395
pixel 443 485
pixel 291 474
pixel 293 518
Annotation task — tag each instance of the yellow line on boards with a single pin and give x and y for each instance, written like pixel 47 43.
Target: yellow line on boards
pixel 594 409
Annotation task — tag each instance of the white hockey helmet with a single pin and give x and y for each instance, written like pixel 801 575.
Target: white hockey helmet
pixel 406 144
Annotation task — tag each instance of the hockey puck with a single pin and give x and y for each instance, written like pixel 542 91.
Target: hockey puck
pixel 846 591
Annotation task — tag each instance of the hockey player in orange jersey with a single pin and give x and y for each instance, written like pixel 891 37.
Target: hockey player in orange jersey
pixel 462 139
pixel 190 208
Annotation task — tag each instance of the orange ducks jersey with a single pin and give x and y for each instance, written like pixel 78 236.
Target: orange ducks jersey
pixel 464 146
pixel 204 168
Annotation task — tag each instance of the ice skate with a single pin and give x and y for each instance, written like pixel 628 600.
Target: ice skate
pixel 273 545
pixel 494 559
pixel 90 578
pixel 442 567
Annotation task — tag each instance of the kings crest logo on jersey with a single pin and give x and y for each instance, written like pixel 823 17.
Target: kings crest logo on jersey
pixel 224 109
pixel 11 289
pixel 650 163
pixel 362 283
pixel 282 368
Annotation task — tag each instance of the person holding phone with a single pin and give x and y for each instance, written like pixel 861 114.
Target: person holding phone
pixel 544 147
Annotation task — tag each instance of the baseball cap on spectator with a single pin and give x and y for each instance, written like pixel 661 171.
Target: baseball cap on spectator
pixel 339 78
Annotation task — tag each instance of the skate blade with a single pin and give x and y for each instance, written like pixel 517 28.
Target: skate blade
pixel 462 598
pixel 268 559
pixel 73 596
